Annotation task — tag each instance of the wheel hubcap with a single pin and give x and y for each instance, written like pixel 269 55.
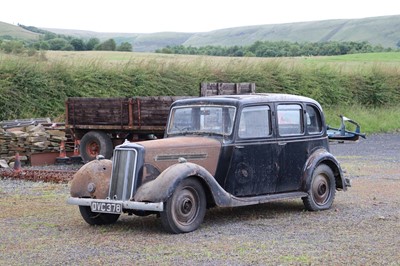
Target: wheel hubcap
pixel 93 148
pixel 320 189
pixel 186 208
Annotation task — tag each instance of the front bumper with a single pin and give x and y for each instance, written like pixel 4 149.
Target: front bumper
pixel 126 205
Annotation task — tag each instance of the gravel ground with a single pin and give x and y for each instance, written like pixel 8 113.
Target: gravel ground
pixel 362 228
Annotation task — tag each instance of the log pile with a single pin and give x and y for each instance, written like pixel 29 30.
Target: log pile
pixel 27 140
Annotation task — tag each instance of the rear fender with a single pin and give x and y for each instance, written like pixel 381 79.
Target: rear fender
pixel 322 156
pixel 161 188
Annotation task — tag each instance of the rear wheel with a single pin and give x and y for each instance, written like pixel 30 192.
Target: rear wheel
pixel 185 209
pixel 322 189
pixel 94 218
pixel 95 143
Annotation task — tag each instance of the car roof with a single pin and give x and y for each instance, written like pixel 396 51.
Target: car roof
pixel 243 99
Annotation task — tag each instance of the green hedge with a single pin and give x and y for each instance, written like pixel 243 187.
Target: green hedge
pixel 33 88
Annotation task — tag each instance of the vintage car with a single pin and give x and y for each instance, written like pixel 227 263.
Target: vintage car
pixel 223 151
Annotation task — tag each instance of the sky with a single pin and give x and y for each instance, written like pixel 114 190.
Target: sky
pixel 149 16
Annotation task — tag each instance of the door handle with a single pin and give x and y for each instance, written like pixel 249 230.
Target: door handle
pixel 239 146
pixel 282 143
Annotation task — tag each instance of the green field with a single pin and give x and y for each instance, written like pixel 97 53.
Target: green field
pixel 364 87
pixel 382 58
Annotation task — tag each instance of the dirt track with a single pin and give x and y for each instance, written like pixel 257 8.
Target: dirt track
pixel 362 228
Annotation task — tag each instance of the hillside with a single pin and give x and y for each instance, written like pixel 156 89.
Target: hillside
pixel 375 30
pixel 9 30
pixel 142 42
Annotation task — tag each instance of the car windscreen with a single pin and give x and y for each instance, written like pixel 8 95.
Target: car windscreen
pixel 200 119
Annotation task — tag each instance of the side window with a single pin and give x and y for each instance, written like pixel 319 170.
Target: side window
pixel 290 120
pixel 314 123
pixel 255 122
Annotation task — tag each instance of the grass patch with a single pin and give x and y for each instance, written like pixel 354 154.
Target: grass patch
pixel 303 259
pixel 371 119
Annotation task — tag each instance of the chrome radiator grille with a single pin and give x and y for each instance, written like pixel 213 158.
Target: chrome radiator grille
pixel 123 178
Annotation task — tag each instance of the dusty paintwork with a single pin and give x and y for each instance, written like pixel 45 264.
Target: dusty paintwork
pixel 323 156
pixel 97 172
pixel 161 154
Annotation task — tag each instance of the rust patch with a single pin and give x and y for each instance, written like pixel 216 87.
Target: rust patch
pixel 199 150
pixel 93 176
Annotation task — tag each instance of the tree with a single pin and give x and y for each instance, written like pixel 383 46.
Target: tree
pixel 68 47
pixel 125 46
pixel 239 53
pixel 78 44
pixel 108 45
pixel 57 44
pixel 44 46
pixel 49 36
pixel 92 43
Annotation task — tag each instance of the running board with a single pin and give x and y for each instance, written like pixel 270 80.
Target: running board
pixel 244 201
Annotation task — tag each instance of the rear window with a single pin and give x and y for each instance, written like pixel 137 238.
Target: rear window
pixel 290 120
pixel 314 122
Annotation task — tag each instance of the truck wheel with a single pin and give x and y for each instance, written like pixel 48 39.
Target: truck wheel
pixel 94 218
pixel 95 143
pixel 322 189
pixel 185 209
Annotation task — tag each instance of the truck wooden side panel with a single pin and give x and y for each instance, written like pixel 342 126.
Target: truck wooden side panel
pixel 145 114
pixel 209 89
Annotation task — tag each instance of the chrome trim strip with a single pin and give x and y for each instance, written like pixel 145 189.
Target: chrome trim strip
pixel 126 173
pixel 174 157
pixel 127 205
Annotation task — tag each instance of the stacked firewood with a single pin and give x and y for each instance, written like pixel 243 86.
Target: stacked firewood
pixel 27 140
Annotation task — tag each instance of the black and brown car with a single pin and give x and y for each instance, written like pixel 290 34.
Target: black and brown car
pixel 223 151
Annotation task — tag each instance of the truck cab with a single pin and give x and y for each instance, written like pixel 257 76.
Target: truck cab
pixel 225 151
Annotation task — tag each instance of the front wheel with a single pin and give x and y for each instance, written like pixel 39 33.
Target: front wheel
pixel 94 218
pixel 322 189
pixel 185 209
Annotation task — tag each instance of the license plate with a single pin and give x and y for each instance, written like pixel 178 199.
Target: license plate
pixel 106 207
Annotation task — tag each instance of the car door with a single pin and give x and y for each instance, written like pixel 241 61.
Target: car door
pixel 253 165
pixel 292 146
pixel 299 132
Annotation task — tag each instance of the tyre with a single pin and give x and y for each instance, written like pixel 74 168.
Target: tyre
pixel 95 143
pixel 94 218
pixel 185 209
pixel 322 189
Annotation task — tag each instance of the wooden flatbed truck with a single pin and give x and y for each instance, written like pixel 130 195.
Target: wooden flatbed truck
pixel 99 124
